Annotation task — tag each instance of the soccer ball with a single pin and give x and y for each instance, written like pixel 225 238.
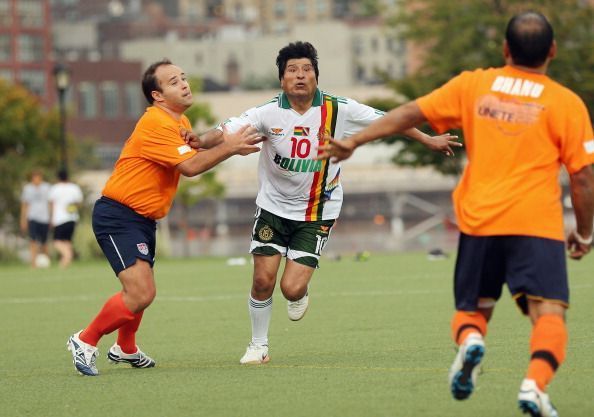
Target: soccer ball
pixel 42 261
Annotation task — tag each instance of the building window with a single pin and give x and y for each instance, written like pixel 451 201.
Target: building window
pixel 279 9
pixel 281 28
pixel 322 7
pixel 34 80
pixel 110 99
pixel 5 48
pixel 374 44
pixel 30 13
pixel 30 48
pixel 132 99
pixel 357 46
pixel 6 75
pixel 88 100
pixel 5 14
pixel 300 8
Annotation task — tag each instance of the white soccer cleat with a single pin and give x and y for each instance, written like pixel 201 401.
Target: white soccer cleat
pixel 297 309
pixel 533 401
pixel 84 355
pixel 255 355
pixel 465 369
pixel 137 360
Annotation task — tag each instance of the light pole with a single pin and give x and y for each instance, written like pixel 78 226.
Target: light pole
pixel 62 78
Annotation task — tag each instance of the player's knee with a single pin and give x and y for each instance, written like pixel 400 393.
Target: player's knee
pixel 263 283
pixel 145 298
pixel 293 291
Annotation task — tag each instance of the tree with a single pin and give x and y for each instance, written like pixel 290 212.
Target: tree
pixel 199 113
pixel 29 137
pixel 468 34
pixel 190 192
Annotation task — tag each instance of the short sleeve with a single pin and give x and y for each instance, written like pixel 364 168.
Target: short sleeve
pixel 359 116
pixel 577 137
pixel 249 117
pixel 443 106
pixel 165 146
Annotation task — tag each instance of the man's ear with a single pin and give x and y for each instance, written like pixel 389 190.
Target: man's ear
pixel 157 96
pixel 553 50
pixel 506 52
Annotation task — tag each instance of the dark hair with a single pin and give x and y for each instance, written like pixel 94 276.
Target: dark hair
pixel 529 36
pixel 149 81
pixel 63 175
pixel 297 50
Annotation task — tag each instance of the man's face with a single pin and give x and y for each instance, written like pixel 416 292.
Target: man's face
pixel 36 178
pixel 175 91
pixel 299 78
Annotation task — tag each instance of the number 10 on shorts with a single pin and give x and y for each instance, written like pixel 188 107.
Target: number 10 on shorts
pixel 321 243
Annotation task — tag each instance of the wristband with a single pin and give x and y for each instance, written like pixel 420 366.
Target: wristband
pixel 581 240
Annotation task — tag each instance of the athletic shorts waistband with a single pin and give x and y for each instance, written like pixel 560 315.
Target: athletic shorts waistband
pixel 124 207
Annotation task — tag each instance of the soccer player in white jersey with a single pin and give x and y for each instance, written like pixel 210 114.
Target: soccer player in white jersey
pixel 299 197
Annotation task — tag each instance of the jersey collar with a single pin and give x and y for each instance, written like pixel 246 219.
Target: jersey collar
pixel 283 101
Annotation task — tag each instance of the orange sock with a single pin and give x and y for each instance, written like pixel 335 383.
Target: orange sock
pixel 127 334
pixel 466 322
pixel 548 344
pixel 113 315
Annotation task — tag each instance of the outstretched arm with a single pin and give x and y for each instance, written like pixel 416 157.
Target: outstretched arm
pixel 207 140
pixel 242 142
pixel 400 119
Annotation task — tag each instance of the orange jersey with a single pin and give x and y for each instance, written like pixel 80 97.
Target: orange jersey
pixel 519 128
pixel 145 177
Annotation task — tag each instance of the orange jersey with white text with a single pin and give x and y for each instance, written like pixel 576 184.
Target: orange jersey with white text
pixel 519 128
pixel 145 177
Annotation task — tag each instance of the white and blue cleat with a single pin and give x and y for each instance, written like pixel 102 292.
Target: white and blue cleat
pixel 84 356
pixel 533 401
pixel 465 369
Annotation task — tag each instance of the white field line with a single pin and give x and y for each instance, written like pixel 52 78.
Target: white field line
pixel 208 298
pixel 226 297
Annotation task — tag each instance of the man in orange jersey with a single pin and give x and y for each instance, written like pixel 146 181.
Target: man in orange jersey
pixel 140 191
pixel 519 127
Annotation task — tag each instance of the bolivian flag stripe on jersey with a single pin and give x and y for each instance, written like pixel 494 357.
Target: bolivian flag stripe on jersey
pixel 315 204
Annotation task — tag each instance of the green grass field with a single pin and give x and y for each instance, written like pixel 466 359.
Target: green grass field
pixel 375 342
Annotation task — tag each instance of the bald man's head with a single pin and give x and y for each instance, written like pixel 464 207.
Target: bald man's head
pixel 529 36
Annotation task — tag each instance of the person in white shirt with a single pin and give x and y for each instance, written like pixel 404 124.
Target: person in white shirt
pixel 299 197
pixel 65 200
pixel 34 219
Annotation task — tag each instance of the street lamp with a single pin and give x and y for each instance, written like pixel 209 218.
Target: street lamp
pixel 62 78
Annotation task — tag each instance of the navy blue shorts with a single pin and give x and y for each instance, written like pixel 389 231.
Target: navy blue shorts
pixel 123 234
pixel 532 267
pixel 37 231
pixel 64 231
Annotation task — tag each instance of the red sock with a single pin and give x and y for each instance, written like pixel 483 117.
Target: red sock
pixel 127 334
pixel 466 322
pixel 548 344
pixel 113 315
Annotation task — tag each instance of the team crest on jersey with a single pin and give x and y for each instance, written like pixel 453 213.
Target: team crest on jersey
pixel 324 229
pixel 276 131
pixel 142 248
pixel 265 233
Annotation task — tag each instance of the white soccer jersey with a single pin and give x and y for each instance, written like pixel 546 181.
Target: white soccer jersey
pixel 292 184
